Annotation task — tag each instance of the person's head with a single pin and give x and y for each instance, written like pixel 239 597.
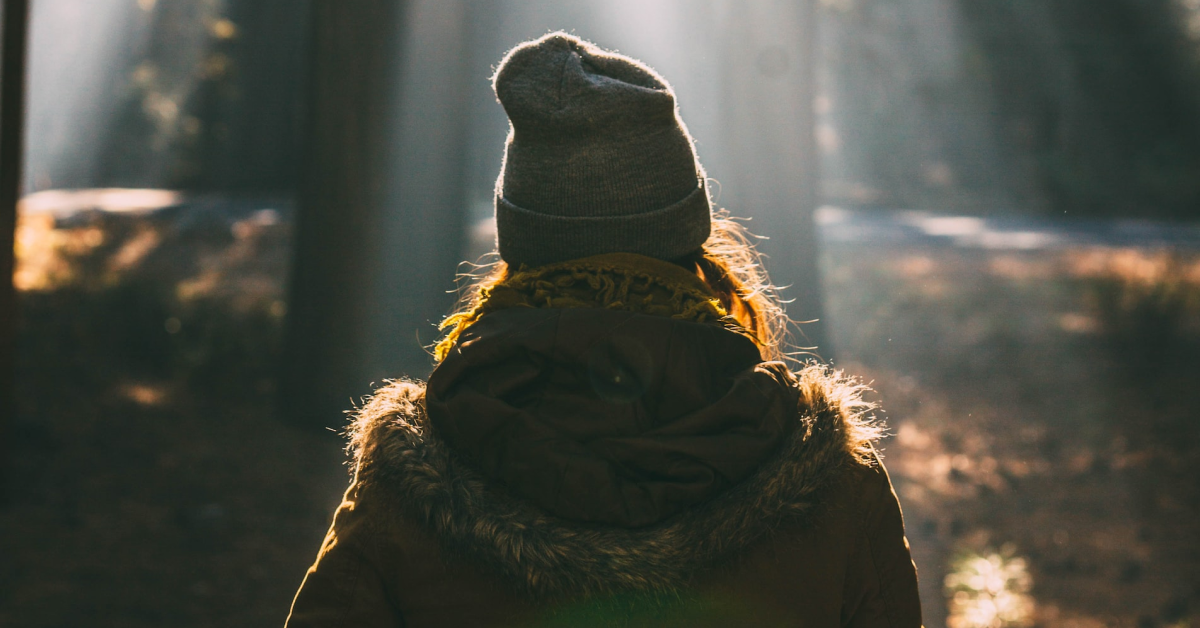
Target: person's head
pixel 598 161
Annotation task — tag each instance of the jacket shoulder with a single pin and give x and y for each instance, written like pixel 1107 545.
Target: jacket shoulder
pixel 881 583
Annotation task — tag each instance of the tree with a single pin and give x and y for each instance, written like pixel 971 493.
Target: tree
pixel 380 222
pixel 767 91
pixel 12 116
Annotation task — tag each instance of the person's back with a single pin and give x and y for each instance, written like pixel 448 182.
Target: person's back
pixel 608 438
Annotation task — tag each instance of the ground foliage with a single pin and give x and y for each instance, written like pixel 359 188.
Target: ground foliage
pixel 153 485
pixel 1042 406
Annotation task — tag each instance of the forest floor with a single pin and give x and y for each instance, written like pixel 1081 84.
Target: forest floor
pixel 152 482
pixel 1042 407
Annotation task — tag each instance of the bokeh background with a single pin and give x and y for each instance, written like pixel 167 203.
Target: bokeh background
pixel 236 215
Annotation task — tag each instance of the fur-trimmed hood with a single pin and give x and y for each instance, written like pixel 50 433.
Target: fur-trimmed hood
pixel 404 463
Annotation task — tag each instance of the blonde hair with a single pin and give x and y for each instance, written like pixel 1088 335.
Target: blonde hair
pixel 727 262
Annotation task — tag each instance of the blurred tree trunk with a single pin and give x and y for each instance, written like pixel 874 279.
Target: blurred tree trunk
pixel 1100 100
pixel 179 94
pixel 351 95
pixel 255 143
pixel 14 30
pixel 768 86
pixel 424 229
pixel 380 212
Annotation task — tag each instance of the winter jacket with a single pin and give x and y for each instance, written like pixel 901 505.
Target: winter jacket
pixel 588 466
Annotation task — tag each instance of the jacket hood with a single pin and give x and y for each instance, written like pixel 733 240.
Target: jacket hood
pixel 608 416
pixel 407 462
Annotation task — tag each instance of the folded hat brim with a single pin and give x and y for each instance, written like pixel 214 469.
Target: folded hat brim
pixel 534 238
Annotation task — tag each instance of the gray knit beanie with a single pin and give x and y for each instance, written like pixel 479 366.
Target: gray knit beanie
pixel 597 159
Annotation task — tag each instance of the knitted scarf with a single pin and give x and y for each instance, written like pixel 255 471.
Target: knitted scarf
pixel 619 281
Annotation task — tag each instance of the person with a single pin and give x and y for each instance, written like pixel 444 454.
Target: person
pixel 611 435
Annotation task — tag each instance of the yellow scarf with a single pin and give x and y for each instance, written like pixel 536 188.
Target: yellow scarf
pixel 618 281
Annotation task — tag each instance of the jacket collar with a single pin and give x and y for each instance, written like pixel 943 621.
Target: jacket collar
pixel 415 475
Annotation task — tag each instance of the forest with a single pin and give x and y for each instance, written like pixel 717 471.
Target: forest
pixel 237 216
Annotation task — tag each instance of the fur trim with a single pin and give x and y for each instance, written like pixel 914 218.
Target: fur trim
pixel 398 456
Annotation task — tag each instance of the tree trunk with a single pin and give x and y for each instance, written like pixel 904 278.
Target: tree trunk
pixel 424 228
pixel 380 213
pixel 1098 100
pixel 12 118
pixel 350 98
pixel 258 151
pixel 770 158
